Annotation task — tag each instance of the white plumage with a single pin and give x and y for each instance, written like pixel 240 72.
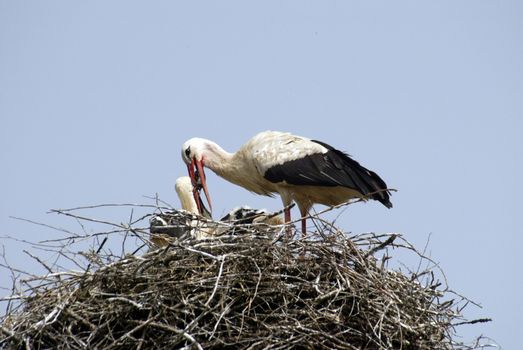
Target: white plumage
pixel 184 189
pixel 297 168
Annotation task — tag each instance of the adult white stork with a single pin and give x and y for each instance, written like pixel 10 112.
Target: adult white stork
pixel 297 168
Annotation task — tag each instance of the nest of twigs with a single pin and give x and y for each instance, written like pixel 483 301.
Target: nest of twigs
pixel 250 288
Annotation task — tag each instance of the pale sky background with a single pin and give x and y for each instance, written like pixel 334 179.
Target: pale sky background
pixel 96 99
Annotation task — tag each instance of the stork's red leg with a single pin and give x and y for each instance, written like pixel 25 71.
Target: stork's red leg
pixel 303 227
pixel 304 213
pixel 287 214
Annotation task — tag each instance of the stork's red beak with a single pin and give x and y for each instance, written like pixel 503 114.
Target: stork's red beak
pixel 197 175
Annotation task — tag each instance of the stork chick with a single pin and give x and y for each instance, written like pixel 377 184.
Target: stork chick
pixel 162 225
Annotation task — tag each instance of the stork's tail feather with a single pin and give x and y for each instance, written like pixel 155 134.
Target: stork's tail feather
pixel 362 179
pixel 371 184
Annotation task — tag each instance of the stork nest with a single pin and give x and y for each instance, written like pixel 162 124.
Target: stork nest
pixel 250 288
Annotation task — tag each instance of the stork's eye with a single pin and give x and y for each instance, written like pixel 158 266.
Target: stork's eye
pixel 188 152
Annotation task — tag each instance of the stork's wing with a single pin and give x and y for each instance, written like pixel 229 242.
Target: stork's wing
pixel 272 148
pixel 329 167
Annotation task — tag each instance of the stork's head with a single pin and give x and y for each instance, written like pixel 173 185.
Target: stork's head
pixel 193 154
pixel 190 199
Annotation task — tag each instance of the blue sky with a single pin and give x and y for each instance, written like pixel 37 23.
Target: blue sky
pixel 96 99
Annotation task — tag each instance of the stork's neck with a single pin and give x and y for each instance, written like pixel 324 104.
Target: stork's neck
pixel 217 159
pixel 224 164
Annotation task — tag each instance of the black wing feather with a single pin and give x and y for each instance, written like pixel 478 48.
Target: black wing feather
pixel 333 168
